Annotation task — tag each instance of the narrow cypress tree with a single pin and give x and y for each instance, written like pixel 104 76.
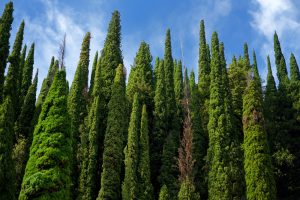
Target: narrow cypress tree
pixel 246 57
pixel 204 76
pixel 159 129
pixel 77 104
pixel 199 149
pixel 258 170
pixel 47 82
pixel 178 88
pixel 279 61
pixel 27 74
pixel 187 191
pixel 168 171
pixel 144 174
pixel 113 142
pixel 92 81
pixel 21 68
pixel 23 131
pixel 270 106
pixel 11 80
pixel 7 167
pixel 130 187
pixel 5 28
pixel 294 69
pixel 48 170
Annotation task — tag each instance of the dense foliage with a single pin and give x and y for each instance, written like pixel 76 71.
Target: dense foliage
pixel 164 134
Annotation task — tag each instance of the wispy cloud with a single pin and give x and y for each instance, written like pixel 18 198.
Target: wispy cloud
pixel 47 31
pixel 281 16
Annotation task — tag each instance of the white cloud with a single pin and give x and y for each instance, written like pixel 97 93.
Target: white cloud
pixel 47 31
pixel 281 16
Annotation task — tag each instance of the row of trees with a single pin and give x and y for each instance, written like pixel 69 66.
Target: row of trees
pixel 163 135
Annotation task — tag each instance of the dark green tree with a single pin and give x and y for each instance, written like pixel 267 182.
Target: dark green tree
pixel 246 57
pixel 114 138
pixel 27 74
pixel 5 28
pixel 168 171
pixel 259 177
pixel 23 131
pixel 159 129
pixel 144 174
pixel 21 68
pixel 94 67
pixel 11 80
pixel 48 170
pixel 7 166
pixel 130 187
pixel 204 76
pixel 279 61
pixel 178 88
pixel 77 105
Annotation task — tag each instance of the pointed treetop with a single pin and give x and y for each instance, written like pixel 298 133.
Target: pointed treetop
pixel 246 55
pixel 17 44
pixel 255 68
pixel 294 69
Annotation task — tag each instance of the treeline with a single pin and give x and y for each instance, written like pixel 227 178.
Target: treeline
pixel 163 135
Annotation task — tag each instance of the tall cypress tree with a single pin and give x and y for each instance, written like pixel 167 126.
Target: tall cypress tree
pixel 223 151
pixel 246 57
pixel 21 68
pixel 159 129
pixel 258 170
pixel 27 74
pixel 48 170
pixel 144 174
pixel 94 67
pixel 168 171
pixel 23 130
pixel 11 80
pixel 5 28
pixel 7 168
pixel 47 82
pixel 279 61
pixel 113 142
pixel 130 187
pixel 204 76
pixel 199 149
pixel 77 104
pixel 178 88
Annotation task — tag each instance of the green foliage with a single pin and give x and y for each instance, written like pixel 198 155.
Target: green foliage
pixel 48 170
pixel 7 166
pixel 12 78
pixel 178 87
pixel 130 187
pixel 94 67
pixel 246 57
pixel 279 61
pixel 27 73
pixel 5 28
pixel 258 170
pixel 21 68
pixel 77 104
pixel 23 130
pixel 164 193
pixel 187 191
pixel 144 174
pixel 113 142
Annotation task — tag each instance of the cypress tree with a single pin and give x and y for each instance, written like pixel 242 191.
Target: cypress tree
pixel 199 149
pixel 204 76
pixel 260 182
pixel 159 129
pixel 223 160
pixel 187 191
pixel 27 74
pixel 164 194
pixel 294 69
pixel 21 68
pixel 113 142
pixel 47 82
pixel 279 61
pixel 144 174
pixel 48 170
pixel 11 80
pixel 77 104
pixel 94 67
pixel 23 130
pixel 178 89
pixel 168 171
pixel 246 57
pixel 130 187
pixel 5 28
pixel 270 106
pixel 7 167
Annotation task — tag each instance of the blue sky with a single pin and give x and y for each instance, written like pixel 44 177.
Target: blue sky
pixel 236 21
